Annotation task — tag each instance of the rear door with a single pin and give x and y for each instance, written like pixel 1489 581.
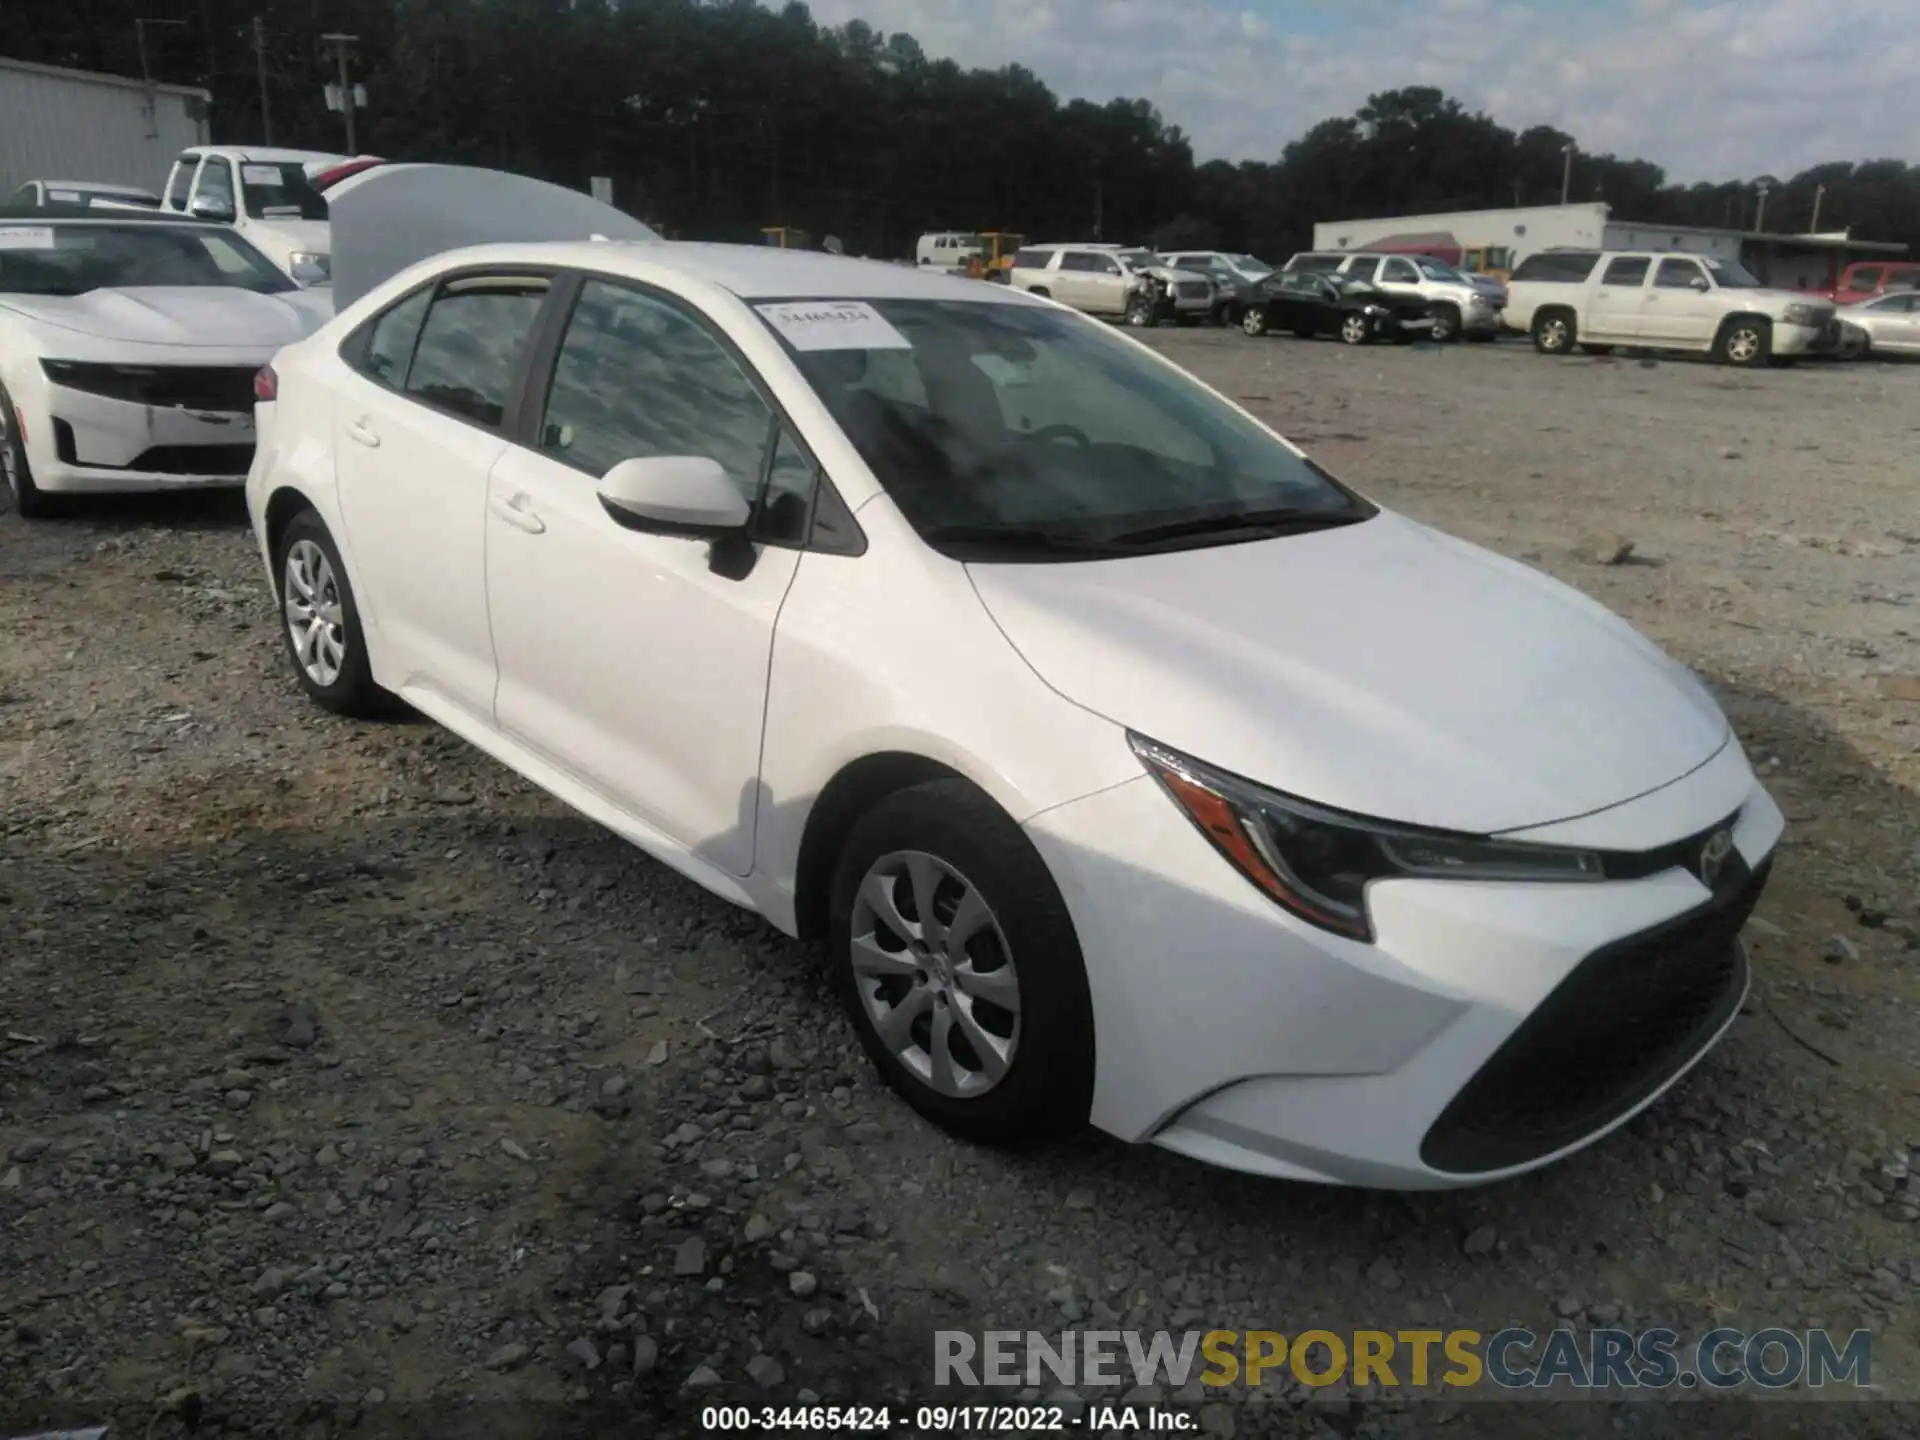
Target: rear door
pixel 1893 322
pixel 1619 296
pixel 1680 308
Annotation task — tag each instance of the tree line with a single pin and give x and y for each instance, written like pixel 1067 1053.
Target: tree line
pixel 715 118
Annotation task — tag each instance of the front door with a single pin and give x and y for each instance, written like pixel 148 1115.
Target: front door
pixel 624 658
pixel 417 430
pixel 1614 312
pixel 1679 308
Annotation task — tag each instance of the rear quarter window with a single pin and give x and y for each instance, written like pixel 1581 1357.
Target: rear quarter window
pixel 1566 267
pixel 1031 259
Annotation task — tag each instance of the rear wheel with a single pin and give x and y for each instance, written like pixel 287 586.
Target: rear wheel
pixel 29 499
pixel 1354 329
pixel 959 967
pixel 1553 332
pixel 321 622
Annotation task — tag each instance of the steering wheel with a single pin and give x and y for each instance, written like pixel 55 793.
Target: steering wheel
pixel 1047 434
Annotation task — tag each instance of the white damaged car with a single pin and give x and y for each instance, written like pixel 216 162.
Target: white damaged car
pixel 128 349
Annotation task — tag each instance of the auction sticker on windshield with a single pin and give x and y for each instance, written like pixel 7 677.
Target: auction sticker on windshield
pixel 833 325
pixel 26 237
pixel 260 175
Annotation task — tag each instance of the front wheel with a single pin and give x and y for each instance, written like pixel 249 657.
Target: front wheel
pixel 1354 330
pixel 1140 312
pixel 1744 343
pixel 1446 324
pixel 1254 321
pixel 1553 332
pixel 321 622
pixel 959 967
pixel 29 499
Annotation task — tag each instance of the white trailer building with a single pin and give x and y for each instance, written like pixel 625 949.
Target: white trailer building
pixel 59 124
pixel 1498 240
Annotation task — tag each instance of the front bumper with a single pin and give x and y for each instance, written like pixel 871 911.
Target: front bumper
pixel 1804 339
pixel 84 443
pixel 1229 1031
pixel 1476 320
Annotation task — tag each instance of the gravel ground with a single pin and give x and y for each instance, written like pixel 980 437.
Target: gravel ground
pixel 338 1066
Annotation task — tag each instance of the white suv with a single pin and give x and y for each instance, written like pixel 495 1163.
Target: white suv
pixel 1655 301
pixel 1112 280
pixel 1459 306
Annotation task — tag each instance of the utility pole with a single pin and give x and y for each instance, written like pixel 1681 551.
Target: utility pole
pixel 1819 194
pixel 1762 185
pixel 342 46
pixel 146 69
pixel 260 67
pixel 1099 198
pixel 1566 172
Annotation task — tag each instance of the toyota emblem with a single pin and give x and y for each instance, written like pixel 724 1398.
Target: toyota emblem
pixel 1713 855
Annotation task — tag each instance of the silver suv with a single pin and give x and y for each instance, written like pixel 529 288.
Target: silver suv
pixel 1458 306
pixel 1118 281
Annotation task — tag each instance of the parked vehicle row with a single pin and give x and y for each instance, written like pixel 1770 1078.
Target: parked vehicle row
pixel 1595 300
pixel 1307 303
pixel 1115 281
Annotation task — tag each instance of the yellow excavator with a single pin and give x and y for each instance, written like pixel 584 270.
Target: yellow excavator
pixel 785 237
pixel 996 254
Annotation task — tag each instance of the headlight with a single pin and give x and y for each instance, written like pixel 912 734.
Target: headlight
pixel 1374 310
pixel 1317 863
pixel 1802 315
pixel 314 260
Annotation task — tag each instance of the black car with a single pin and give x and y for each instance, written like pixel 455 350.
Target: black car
pixel 1309 304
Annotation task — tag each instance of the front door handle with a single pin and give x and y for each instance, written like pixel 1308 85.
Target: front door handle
pixel 364 433
pixel 515 513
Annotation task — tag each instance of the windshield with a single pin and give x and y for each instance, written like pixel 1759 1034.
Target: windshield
pixel 1250 266
pixel 1730 274
pixel 279 190
pixel 61 259
pixel 1439 270
pixel 1136 259
pixel 995 425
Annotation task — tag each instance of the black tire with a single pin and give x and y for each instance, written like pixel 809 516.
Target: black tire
pixel 1140 312
pixel 1745 341
pixel 29 500
pixel 1446 325
pixel 1587 349
pixel 1253 321
pixel 1048 1085
pixel 1228 315
pixel 352 690
pixel 1553 331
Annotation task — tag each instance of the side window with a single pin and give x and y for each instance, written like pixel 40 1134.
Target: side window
pixel 390 345
pixel 1865 281
pixel 1627 270
pixel 1677 274
pixel 216 181
pixel 180 183
pixel 785 514
pixel 1400 272
pixel 468 356
pixel 26 197
pixel 1031 259
pixel 1078 260
pixel 639 377
pixel 1105 265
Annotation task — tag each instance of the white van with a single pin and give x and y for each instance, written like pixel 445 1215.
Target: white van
pixel 265 195
pixel 948 250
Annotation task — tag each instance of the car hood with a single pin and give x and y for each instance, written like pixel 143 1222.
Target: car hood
pixel 289 234
pixel 206 315
pixel 1381 668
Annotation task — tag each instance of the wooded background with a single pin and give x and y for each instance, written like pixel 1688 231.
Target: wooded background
pixel 717 117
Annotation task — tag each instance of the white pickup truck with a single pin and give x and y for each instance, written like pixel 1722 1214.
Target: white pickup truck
pixel 1598 299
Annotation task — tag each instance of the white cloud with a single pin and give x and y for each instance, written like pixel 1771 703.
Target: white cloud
pixel 1708 89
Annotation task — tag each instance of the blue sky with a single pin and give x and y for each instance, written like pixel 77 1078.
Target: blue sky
pixel 1708 89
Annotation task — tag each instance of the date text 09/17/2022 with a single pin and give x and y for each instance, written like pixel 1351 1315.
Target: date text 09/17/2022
pixel 948 1419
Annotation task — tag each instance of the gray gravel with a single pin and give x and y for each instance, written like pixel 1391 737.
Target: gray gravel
pixel 341 1070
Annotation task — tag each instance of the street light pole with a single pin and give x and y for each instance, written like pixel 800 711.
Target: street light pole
pixel 260 67
pixel 1566 172
pixel 1762 185
pixel 146 70
pixel 342 46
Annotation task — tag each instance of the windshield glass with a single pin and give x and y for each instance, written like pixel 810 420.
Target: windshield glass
pixel 1004 423
pixel 279 190
pixel 58 259
pixel 1250 266
pixel 1730 274
pixel 1439 270
pixel 1136 259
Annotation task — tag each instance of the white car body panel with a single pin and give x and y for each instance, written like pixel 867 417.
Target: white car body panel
pixel 1381 668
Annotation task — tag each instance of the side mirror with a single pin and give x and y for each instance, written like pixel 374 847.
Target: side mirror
pixel 1699 282
pixel 684 495
pixel 209 207
pixel 308 272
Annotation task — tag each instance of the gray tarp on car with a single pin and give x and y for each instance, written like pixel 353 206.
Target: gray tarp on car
pixel 392 216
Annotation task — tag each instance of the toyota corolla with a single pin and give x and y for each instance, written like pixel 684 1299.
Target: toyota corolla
pixel 1132 768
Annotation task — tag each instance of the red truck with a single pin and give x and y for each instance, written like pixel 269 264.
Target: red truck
pixel 1864 279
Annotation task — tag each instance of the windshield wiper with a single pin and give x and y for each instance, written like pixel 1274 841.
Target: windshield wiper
pixel 1021 538
pixel 1267 522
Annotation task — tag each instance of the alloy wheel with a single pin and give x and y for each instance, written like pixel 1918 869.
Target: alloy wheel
pixel 935 974
pixel 1554 335
pixel 1254 322
pixel 1743 345
pixel 316 620
pixel 1353 329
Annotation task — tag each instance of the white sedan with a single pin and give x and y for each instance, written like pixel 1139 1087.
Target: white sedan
pixel 128 349
pixel 1132 768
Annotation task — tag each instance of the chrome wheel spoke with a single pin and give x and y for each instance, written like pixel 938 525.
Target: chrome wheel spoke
pixel 997 987
pixel 895 1023
pixel 926 884
pixel 946 1074
pixel 994 1053
pixel 970 917
pixel 871 959
pixel 876 891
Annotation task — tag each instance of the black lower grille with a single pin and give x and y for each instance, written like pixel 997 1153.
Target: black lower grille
pixel 1615 1030
pixel 194 460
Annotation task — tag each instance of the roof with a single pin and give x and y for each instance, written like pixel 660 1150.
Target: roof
pixel 266 154
pixel 61 72
pixel 755 272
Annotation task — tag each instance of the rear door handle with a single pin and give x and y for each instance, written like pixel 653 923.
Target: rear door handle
pixel 515 514
pixel 364 433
